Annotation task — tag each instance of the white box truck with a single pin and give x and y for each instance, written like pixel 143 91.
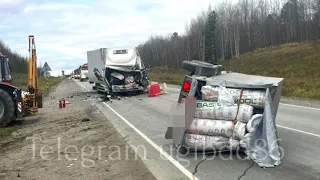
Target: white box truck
pixel 114 70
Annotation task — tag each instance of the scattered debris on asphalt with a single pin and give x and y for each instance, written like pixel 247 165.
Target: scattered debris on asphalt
pixel 85 120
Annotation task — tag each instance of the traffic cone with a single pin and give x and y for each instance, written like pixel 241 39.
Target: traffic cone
pixel 154 90
pixel 165 88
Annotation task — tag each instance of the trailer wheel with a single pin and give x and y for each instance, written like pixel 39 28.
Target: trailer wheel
pixel 7 108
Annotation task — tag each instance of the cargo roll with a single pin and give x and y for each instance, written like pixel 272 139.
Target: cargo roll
pixel 205 143
pixel 255 98
pixel 254 122
pixel 211 127
pixel 213 110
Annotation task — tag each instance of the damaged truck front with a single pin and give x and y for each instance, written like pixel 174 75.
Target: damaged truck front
pixel 115 70
pixel 223 111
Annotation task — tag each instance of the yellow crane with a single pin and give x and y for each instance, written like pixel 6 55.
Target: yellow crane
pixel 34 98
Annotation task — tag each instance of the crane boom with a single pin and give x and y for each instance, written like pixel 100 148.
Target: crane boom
pixel 32 71
pixel 34 98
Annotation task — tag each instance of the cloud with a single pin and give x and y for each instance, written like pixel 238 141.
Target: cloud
pixel 65 30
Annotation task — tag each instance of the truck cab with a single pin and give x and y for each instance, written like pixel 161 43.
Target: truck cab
pixel 84 72
pixel 5 70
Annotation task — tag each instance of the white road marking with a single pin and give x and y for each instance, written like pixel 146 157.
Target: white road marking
pixel 300 131
pixel 305 107
pixel 165 154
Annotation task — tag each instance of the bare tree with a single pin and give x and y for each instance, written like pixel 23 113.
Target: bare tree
pixel 241 27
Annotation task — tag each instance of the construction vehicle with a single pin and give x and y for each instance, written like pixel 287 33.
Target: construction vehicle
pixel 14 102
pixel 77 73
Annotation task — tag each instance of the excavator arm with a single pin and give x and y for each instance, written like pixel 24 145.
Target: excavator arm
pixel 32 69
pixel 33 100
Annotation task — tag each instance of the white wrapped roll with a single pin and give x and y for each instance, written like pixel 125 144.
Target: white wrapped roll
pixel 245 140
pixel 211 127
pixel 254 122
pixel 204 143
pixel 225 96
pixel 212 110
pixel 218 94
pixel 233 144
pixel 239 130
pixel 253 98
pixel 209 93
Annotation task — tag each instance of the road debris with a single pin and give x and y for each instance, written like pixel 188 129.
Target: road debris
pixel 165 89
pixel 85 120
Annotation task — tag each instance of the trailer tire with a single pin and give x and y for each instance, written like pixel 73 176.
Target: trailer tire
pixel 7 108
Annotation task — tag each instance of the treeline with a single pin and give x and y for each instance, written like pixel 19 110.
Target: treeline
pixel 239 27
pixel 17 63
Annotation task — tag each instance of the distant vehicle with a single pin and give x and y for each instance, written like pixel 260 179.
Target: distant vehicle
pixel 84 72
pixel 114 70
pixel 77 73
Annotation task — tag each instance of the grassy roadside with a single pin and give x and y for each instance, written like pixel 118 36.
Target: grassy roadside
pixel 167 75
pixel 20 80
pixel 297 63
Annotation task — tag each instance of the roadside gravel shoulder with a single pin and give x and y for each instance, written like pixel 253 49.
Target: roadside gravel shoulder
pixel 76 142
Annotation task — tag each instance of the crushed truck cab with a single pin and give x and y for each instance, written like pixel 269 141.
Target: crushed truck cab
pixel 116 70
pixel 227 111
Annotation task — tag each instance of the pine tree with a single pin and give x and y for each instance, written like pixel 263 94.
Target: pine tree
pixel 210 39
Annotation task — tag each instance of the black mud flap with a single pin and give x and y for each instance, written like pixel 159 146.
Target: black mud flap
pixel 39 100
pixel 19 104
pixel 168 134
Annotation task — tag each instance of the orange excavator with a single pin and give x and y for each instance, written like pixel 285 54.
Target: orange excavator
pixel 14 102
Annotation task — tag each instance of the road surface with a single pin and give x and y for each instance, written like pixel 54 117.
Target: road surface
pixel 143 121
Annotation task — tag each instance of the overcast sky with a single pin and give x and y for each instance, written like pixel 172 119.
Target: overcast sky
pixel 65 29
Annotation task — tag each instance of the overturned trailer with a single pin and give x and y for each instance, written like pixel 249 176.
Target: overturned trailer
pixel 226 111
pixel 114 70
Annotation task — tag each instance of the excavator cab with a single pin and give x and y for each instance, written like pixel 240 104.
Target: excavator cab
pixel 5 75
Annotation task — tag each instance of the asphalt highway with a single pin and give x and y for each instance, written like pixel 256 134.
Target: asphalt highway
pixel 142 121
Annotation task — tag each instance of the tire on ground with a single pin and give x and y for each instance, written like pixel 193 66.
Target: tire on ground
pixel 8 108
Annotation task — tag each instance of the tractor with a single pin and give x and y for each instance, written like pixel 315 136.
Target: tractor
pixel 15 103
